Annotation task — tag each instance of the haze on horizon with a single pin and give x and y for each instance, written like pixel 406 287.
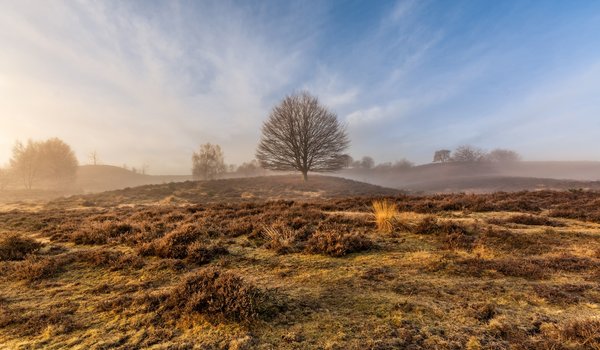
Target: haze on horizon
pixel 147 82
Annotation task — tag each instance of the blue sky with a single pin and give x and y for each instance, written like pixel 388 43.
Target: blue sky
pixel 148 81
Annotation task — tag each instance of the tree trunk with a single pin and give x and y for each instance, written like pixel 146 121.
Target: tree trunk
pixel 305 175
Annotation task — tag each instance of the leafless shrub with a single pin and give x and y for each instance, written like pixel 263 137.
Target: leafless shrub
pixel 15 247
pixel 337 244
pixel 220 295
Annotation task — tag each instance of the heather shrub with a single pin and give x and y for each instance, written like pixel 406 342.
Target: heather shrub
pixel 337 244
pixel 174 244
pixel 218 294
pixel 35 268
pixel 15 247
pixel 200 253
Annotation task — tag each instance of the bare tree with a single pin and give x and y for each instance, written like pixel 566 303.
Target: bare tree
pixel 93 158
pixel 26 162
pixel 301 134
pixel 442 156
pixel 208 162
pixel 503 156
pixel 468 153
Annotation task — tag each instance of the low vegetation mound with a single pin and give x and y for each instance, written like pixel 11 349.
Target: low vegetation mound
pixel 15 247
pixel 219 294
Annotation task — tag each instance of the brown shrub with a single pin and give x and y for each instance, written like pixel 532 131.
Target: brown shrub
pixel 199 253
pixel 337 244
pixel 578 333
pixel 35 268
pixel 427 226
pixel 115 260
pixel 15 247
pixel 101 232
pixel 532 220
pixel 513 267
pixel 561 294
pixel 453 235
pixel 57 319
pixel 174 244
pixel 220 295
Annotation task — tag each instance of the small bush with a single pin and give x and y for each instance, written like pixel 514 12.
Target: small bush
pixel 173 245
pixel 35 268
pixel 219 294
pixel 337 244
pixel 199 253
pixel 427 226
pixel 14 247
pixel 101 233
pixel 385 213
pixel 524 219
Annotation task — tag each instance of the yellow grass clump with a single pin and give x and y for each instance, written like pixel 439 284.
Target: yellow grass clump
pixel 384 212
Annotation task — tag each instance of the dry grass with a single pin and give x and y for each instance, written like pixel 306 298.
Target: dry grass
pixel 205 276
pixel 384 213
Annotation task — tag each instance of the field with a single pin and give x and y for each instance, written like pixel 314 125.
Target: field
pixel 273 263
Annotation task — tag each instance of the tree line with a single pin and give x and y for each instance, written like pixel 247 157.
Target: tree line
pixel 468 153
pixel 300 134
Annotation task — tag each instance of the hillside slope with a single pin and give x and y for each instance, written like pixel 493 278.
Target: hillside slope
pixel 287 187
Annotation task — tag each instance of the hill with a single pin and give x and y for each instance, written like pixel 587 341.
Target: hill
pixel 285 187
pixel 484 177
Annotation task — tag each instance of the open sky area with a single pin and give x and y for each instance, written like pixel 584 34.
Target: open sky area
pixel 149 81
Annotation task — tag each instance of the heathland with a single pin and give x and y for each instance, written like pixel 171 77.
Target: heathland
pixel 276 263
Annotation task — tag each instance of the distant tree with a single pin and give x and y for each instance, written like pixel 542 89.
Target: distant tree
pixel 251 168
pixel 208 163
pixel 468 153
pixel 59 162
pixel 503 156
pixel 26 162
pixel 403 164
pixel 51 160
pixel 303 135
pixel 441 156
pixel 367 162
pixel 348 160
pixel 93 158
pixel 383 166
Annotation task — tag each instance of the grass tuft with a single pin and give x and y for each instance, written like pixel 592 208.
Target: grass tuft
pixel 385 213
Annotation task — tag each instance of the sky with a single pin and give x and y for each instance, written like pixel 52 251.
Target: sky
pixel 147 82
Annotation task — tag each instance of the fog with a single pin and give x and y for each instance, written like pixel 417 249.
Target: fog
pixel 144 84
